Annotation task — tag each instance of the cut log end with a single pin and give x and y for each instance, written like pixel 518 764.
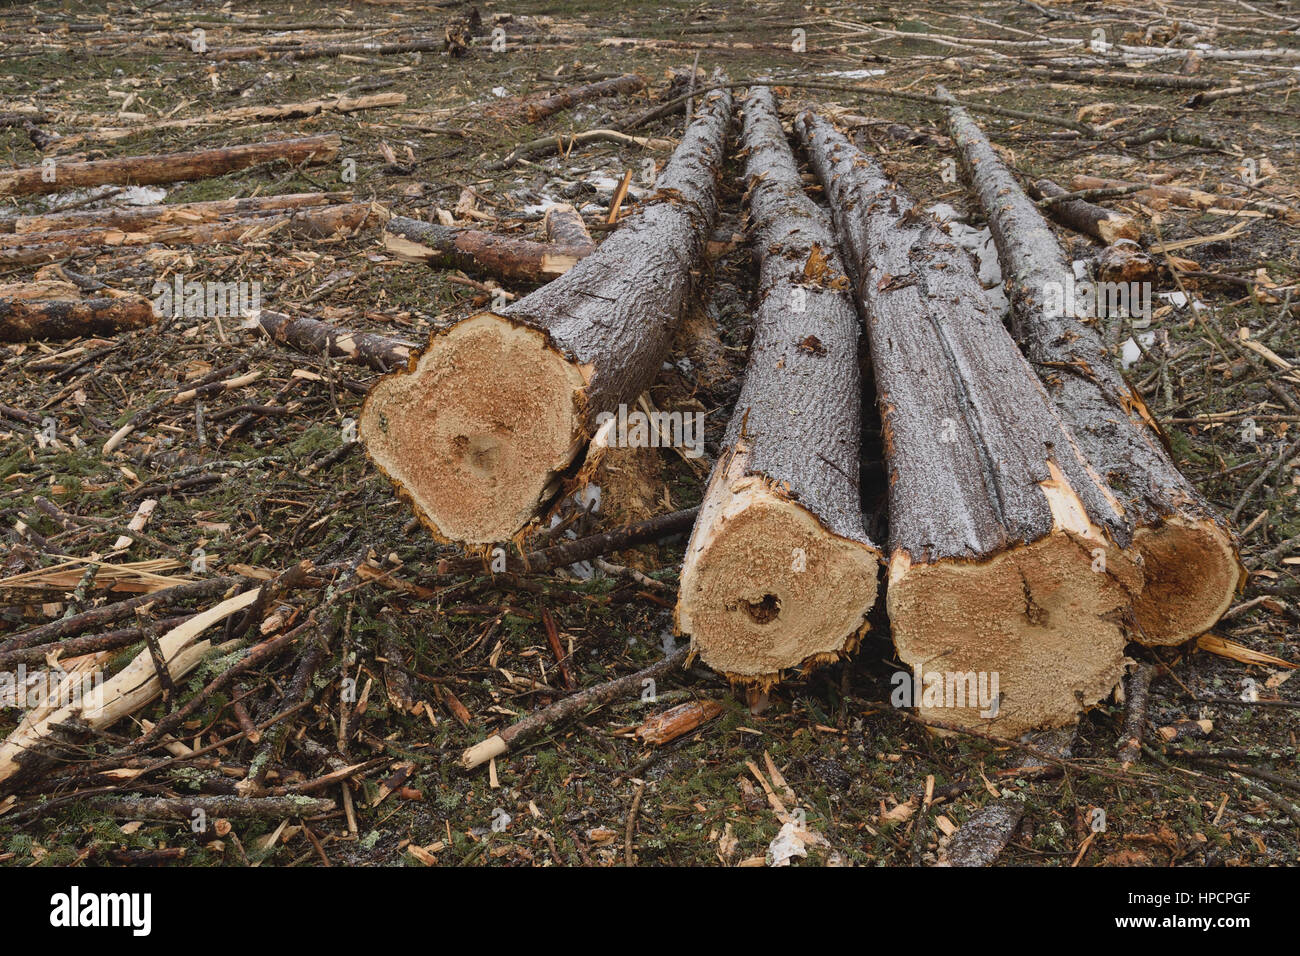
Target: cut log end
pixel 1040 617
pixel 765 587
pixel 476 430
pixel 1191 573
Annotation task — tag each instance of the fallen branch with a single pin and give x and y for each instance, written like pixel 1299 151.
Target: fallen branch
pixel 631 685
pixel 168 167
pixel 313 337
pixel 476 251
pixel 49 310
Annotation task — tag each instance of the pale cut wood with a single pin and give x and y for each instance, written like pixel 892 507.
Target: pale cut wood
pixel 124 693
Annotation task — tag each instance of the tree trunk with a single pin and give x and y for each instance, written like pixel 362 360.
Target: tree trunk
pixel 1186 552
pixel 996 523
pixel 59 310
pixel 480 431
pixel 480 252
pixel 779 571
pixel 167 167
pixel 1085 217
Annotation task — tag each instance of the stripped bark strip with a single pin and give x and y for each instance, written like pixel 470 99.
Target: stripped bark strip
pixel 994 516
pixel 1188 557
pixel 168 167
pixel 479 432
pixel 779 571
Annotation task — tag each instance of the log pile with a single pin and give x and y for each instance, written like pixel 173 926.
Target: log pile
pixel 479 432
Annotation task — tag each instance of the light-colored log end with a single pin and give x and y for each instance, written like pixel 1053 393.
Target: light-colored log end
pixel 1191 574
pixel 476 430
pixel 1037 626
pixel 765 587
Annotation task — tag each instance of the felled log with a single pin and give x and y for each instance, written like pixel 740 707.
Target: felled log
pixel 322 222
pixel 779 571
pixel 481 252
pixel 168 167
pixel 268 113
pixel 1085 217
pixel 1188 557
pixel 478 433
pixel 313 337
pixel 996 522
pixel 135 218
pixel 530 109
pixel 59 310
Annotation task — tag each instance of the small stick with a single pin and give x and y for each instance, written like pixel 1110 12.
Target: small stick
pixel 619 196
pixel 597 696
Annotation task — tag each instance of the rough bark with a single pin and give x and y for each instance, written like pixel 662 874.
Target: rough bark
pixel 779 571
pixel 1186 552
pixel 1085 217
pixel 565 226
pixel 480 252
pixel 533 108
pixel 168 167
pixel 478 433
pixel 994 517
pixel 59 310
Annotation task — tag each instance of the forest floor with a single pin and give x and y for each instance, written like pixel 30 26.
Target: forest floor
pixel 413 673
